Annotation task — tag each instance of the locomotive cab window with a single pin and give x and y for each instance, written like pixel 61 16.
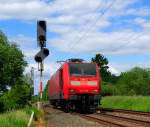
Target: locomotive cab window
pixel 82 69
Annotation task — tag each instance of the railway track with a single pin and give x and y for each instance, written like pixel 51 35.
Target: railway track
pixel 115 121
pixel 131 119
pixel 101 121
pixel 103 110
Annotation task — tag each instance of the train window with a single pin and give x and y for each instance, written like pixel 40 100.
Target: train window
pixel 61 78
pixel 84 69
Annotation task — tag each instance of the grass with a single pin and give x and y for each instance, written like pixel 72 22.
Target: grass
pixel 137 103
pixel 17 118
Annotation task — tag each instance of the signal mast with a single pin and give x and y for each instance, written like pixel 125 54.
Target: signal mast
pixel 44 52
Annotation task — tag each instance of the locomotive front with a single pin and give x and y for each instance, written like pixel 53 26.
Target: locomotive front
pixel 84 85
pixel 76 85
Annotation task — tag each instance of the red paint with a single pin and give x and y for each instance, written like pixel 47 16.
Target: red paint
pixel 40 86
pixel 62 75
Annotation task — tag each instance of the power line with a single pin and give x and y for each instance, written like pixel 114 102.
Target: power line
pixel 88 21
pixel 94 23
pixel 128 42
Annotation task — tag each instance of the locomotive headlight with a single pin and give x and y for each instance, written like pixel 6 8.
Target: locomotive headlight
pixel 72 90
pixel 92 83
pixel 76 83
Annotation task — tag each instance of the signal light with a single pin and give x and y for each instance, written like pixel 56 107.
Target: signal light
pixel 40 56
pixel 41 33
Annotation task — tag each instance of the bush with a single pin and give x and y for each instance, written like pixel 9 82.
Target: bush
pixel 132 92
pixel 109 89
pixel 16 97
pixel 45 93
pixel 12 63
pixel 135 82
pixel 14 92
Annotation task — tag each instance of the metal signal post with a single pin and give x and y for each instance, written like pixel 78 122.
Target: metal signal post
pixel 41 69
pixel 44 52
pixel 32 81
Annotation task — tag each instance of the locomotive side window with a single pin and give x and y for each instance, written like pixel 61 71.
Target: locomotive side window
pixel 61 78
pixel 84 69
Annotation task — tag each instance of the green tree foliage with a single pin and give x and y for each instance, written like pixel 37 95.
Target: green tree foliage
pixel 35 98
pixel 106 75
pixel 135 82
pixel 108 89
pixel 12 63
pixel 14 87
pixel 3 38
pixel 102 62
pixel 45 93
pixel 113 79
pixel 17 97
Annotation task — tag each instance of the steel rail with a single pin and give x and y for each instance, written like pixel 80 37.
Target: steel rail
pixel 125 111
pixel 99 120
pixel 136 121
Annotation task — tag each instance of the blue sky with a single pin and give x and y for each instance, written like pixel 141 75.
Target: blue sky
pixel 119 29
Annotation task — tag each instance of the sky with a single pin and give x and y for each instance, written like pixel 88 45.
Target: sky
pixel 118 29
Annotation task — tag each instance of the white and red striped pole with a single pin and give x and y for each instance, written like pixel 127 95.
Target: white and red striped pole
pixel 41 86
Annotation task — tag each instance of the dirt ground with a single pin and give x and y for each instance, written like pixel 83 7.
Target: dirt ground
pixel 58 118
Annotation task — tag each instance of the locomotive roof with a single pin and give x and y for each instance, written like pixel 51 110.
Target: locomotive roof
pixel 75 60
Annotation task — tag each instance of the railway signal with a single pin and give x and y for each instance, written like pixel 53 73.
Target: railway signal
pixel 41 33
pixel 41 55
pixel 44 52
pixel 41 89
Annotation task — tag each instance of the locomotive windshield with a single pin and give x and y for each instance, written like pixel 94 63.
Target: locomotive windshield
pixel 83 69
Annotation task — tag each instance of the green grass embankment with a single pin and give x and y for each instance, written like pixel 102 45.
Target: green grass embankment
pixel 137 103
pixel 17 118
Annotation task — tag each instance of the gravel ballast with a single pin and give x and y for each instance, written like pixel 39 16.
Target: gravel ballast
pixel 58 118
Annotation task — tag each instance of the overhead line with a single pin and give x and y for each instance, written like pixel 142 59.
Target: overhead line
pixel 102 14
pixel 131 39
pixel 88 22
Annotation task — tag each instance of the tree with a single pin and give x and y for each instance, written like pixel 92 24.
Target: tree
pixel 45 92
pixel 14 86
pixel 135 82
pixel 12 64
pixel 3 38
pixel 108 89
pixel 102 62
pixel 16 97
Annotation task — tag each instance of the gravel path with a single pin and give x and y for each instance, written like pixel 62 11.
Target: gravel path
pixel 58 118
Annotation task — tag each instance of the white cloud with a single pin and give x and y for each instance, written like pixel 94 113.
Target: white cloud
pixel 125 66
pixel 144 23
pixel 113 70
pixel 81 25
pixel 49 69
pixel 125 42
pixel 143 11
pixel 28 45
pixel 16 9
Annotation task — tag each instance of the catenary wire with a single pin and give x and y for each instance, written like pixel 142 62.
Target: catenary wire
pixel 94 23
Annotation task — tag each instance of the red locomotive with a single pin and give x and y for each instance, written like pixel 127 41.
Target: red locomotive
pixel 75 85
